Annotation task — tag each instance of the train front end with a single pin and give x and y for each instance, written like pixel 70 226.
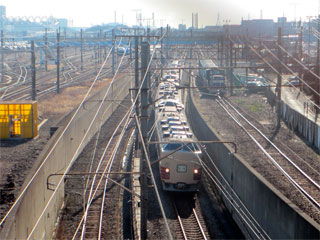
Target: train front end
pixel 180 171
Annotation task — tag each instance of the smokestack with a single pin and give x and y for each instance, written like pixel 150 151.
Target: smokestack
pixel 196 20
pixel 192 20
pixel 153 21
pixel 140 19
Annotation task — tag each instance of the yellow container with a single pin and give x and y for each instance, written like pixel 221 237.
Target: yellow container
pixel 18 120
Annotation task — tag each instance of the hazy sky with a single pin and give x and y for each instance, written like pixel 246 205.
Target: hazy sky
pixel 92 12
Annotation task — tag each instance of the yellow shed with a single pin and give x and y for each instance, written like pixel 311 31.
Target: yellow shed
pixel 18 120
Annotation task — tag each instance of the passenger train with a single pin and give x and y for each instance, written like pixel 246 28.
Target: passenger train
pixel 180 168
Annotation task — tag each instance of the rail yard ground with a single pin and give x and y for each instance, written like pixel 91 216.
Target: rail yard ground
pixel 256 108
pixel 17 156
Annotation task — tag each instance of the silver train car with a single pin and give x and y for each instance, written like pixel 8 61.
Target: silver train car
pixel 211 78
pixel 180 168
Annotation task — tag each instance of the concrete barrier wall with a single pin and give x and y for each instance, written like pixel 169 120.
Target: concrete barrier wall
pixel 27 212
pixel 300 123
pixel 279 217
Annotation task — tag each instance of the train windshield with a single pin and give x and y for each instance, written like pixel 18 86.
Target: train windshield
pixel 190 147
pixel 170 104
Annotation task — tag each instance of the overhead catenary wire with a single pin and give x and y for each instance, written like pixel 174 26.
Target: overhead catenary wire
pixel 153 178
pixel 243 213
pixel 105 149
pixel 79 147
pixel 91 195
pixel 51 152
pixel 94 152
pixel 146 152
pixel 56 143
pixel 315 204
pixel 305 67
pixel 249 222
pixel 299 62
pixel 275 70
pixel 234 200
pixel 77 150
pixel 290 70
pixel 130 111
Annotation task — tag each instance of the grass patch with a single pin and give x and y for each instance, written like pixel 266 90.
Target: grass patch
pixel 256 107
pixel 68 99
pixel 238 101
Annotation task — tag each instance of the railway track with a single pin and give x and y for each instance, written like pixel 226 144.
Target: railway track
pixel 191 222
pixel 21 90
pixel 92 227
pixel 46 86
pixel 301 176
pixel 101 194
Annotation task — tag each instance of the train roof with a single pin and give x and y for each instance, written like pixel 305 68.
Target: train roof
pixel 207 63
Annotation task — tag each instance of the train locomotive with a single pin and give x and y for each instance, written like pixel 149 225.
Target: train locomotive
pixel 180 168
pixel 211 78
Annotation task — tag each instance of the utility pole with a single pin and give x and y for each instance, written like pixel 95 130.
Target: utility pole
pixel 145 77
pixel 279 80
pixel 136 67
pixel 75 47
pixel 191 45
pixel 300 54
pixel 33 73
pixel 130 45
pixel 113 51
pixel 218 52
pixel 2 57
pixel 236 48
pixel 58 61
pixel 167 48
pixel 65 38
pixel 318 67
pixel 231 68
pixel 226 50
pixel 148 34
pixel 100 36
pixel 95 52
pixel 81 48
pixel 309 37
pixel 161 52
pixel 222 50
pixel 247 46
pixel 104 47
pixel 46 50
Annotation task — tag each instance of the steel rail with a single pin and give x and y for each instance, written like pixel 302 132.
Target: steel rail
pixel 286 174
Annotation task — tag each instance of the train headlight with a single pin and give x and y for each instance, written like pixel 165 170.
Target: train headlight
pixel 196 174
pixel 165 172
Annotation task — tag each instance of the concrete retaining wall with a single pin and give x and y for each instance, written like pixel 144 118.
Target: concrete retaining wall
pixel 279 217
pixel 300 123
pixel 27 211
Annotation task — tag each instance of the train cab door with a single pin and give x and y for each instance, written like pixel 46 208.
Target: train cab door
pixel 14 126
pixel 208 77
